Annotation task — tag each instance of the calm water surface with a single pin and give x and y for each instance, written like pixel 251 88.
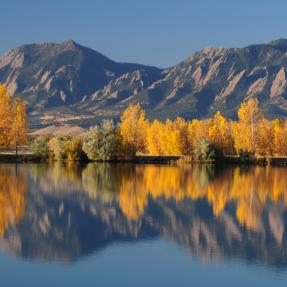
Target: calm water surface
pixel 142 225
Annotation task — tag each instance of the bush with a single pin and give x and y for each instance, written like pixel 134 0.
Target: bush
pixel 39 147
pixel 246 157
pixel 102 142
pixel 57 147
pixel 206 151
pixel 74 149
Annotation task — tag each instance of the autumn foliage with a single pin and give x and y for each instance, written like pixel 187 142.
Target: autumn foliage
pixel 13 119
pixel 252 133
pixel 133 128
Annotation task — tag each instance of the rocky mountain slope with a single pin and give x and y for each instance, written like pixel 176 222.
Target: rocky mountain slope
pixel 52 77
pixel 67 82
pixel 213 79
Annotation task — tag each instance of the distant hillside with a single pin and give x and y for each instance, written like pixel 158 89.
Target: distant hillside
pixel 69 83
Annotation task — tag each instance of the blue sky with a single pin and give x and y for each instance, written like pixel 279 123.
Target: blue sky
pixel 158 32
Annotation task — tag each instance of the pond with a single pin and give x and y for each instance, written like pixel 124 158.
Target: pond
pixel 142 225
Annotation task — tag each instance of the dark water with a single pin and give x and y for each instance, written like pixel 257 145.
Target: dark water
pixel 136 225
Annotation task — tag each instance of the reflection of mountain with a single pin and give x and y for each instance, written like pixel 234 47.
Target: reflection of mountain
pixel 231 213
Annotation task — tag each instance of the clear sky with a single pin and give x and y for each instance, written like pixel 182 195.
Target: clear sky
pixel 156 32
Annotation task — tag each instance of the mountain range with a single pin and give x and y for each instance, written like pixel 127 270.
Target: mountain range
pixel 69 83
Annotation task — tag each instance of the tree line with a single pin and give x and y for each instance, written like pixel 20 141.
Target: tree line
pixel 252 134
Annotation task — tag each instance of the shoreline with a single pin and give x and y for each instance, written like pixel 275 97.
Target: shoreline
pixel 146 159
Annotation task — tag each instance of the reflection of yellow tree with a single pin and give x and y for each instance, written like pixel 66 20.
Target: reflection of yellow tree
pixel 132 199
pixel 133 185
pixel 250 190
pixel 13 189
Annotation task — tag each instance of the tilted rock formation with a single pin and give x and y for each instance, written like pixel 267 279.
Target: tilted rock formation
pixel 210 80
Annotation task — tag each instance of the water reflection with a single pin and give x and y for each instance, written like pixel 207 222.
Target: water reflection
pixel 13 187
pixel 63 211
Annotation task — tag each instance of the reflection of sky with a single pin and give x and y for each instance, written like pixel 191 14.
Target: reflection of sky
pixel 156 263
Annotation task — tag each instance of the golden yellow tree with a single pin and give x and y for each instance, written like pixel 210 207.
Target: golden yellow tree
pixel 13 119
pixel 279 137
pixel 219 133
pixel 182 127
pixel 197 131
pixel 245 130
pixel 153 138
pixel 264 141
pixel 5 116
pixel 170 139
pixel 133 128
pixel 19 123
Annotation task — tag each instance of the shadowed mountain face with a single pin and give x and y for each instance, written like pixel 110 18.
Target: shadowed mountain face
pixel 52 77
pixel 62 212
pixel 72 83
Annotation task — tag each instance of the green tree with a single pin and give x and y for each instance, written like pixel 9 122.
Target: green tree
pixel 102 142
pixel 57 147
pixel 39 146
pixel 74 149
pixel 206 151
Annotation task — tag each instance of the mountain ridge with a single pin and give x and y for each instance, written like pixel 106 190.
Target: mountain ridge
pixel 71 83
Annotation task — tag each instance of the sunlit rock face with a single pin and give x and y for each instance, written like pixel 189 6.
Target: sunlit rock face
pixel 71 83
pixel 209 80
pixel 63 212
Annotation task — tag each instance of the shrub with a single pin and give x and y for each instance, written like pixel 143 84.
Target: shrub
pixel 57 147
pixel 246 157
pixel 206 151
pixel 39 146
pixel 74 149
pixel 102 142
